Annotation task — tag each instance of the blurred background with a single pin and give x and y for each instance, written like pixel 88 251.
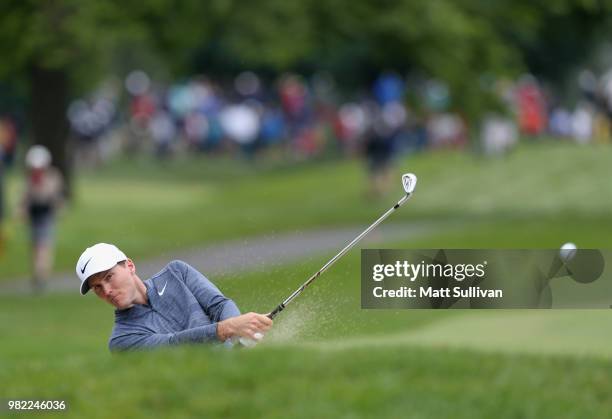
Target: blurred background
pixel 253 140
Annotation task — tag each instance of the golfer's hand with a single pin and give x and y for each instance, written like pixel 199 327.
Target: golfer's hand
pixel 245 325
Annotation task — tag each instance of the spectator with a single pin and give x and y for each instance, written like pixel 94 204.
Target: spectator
pixel 44 195
pixel 1 199
pixel 379 148
pixel 163 132
pixel 531 107
pixel 8 140
pixel 498 135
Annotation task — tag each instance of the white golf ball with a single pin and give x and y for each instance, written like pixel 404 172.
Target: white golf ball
pixel 246 342
pixel 567 252
pixel 249 343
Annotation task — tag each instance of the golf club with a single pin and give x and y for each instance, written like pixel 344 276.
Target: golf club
pixel 409 181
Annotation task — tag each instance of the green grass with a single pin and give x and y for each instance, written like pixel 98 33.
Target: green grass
pixel 558 189
pixel 325 357
pixel 301 383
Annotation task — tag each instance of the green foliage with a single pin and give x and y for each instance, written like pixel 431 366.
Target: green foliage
pixel 65 34
pixel 456 41
pixel 276 33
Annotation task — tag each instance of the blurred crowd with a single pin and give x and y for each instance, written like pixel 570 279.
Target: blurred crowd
pixel 246 116
pixel 307 118
pixel 535 112
pixel 294 118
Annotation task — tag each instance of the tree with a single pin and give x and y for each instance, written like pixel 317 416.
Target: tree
pixel 55 48
pixel 461 42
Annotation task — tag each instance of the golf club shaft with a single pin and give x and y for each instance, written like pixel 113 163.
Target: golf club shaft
pixel 348 247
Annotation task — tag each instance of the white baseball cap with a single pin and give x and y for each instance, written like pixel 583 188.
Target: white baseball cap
pixel 97 258
pixel 38 157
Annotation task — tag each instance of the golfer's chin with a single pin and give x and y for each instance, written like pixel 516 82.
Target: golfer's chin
pixel 120 303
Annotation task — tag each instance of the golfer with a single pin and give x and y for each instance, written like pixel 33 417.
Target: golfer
pixel 176 306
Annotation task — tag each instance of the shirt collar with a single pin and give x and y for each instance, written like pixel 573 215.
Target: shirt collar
pixel 137 309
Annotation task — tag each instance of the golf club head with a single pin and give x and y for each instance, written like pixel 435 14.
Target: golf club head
pixel 409 181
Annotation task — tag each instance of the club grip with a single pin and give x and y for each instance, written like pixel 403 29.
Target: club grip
pixel 277 310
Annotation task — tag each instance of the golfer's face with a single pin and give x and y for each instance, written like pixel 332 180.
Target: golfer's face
pixel 115 286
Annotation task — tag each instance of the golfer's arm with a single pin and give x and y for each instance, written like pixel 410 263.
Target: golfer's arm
pixel 139 340
pixel 216 305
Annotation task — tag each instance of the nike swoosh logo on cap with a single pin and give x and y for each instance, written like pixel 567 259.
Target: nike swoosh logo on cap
pixel 85 266
pixel 160 293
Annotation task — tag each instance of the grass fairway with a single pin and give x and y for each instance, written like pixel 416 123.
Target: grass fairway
pixel 547 193
pixel 280 382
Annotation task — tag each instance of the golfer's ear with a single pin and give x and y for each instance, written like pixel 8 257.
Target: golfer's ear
pixel 130 264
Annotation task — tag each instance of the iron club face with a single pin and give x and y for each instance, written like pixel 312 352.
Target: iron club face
pixel 409 181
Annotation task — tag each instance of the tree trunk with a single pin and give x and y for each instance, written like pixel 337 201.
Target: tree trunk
pixel 47 115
